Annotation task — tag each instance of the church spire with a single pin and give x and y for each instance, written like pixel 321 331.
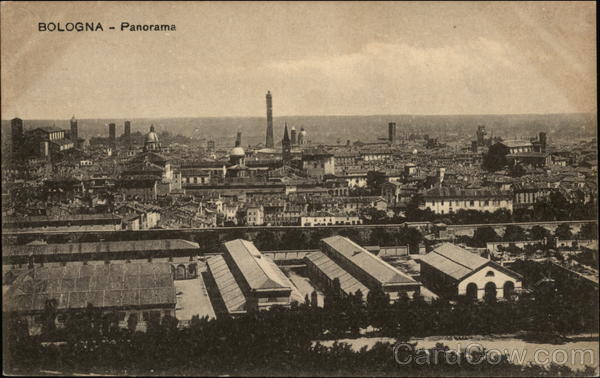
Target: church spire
pixel 286 137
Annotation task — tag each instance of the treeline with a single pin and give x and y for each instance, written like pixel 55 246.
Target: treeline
pixel 483 235
pixel 281 341
pixel 554 208
pixel 266 240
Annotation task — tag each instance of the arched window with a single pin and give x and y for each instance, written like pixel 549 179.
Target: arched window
pixel 472 291
pixel 490 291
pixel 180 273
pixel 490 274
pixel 509 289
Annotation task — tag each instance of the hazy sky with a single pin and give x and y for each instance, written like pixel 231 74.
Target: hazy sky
pixel 316 58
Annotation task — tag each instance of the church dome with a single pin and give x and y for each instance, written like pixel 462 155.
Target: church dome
pixel 302 132
pixel 151 137
pixel 237 151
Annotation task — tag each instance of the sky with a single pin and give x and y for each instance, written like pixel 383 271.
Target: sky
pixel 317 58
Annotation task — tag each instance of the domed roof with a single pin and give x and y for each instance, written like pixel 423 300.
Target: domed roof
pixel 237 151
pixel 303 132
pixel 151 137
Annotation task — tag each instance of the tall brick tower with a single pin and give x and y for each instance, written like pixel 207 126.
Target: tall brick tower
pixel 74 132
pixel 269 141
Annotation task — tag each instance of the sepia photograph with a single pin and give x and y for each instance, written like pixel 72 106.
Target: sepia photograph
pixel 299 188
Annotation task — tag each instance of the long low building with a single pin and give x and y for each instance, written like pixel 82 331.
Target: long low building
pixel 229 291
pixel 259 279
pixel 143 290
pixel 81 222
pixel 117 250
pixel 450 200
pixel 451 271
pixel 367 268
pixel 324 270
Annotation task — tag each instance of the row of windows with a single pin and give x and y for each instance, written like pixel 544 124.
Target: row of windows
pixel 195 180
pixel 469 203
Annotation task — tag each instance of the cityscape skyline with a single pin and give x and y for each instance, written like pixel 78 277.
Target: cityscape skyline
pixel 480 59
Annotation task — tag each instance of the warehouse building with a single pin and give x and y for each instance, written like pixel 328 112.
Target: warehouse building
pixel 99 251
pixel 142 290
pixel 324 270
pixel 79 222
pixel 452 271
pixel 242 271
pixel 365 267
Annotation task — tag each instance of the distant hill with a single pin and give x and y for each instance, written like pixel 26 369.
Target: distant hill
pixel 328 129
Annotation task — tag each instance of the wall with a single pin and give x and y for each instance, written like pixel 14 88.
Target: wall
pixel 440 206
pixel 481 280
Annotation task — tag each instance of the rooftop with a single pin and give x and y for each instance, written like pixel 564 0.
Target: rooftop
pixel 259 271
pixel 369 263
pixel 100 247
pixel 74 286
pixel 446 192
pixel 332 270
pixel 456 262
pixel 516 143
pixel 232 295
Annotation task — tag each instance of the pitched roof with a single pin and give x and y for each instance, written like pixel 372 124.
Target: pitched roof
pixel 332 270
pixel 259 271
pixel 516 143
pixel 453 261
pixel 232 295
pixel 49 129
pixel 100 247
pixel 367 262
pixel 74 286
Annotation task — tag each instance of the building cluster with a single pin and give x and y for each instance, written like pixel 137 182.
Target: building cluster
pixel 135 282
pixel 56 175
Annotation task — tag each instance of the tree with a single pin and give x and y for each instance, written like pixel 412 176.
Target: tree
pixel 49 317
pixel 352 234
pixel 380 236
pixel 495 159
pixel 538 233
pixel 514 233
pixel 563 232
pixel 132 322
pixel 314 299
pixel 375 180
pixel 266 240
pixel 293 239
pixel 372 215
pixel 410 236
pixel 517 170
pixel 483 235
pixel 377 303
pixel 589 231
pixel 317 235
